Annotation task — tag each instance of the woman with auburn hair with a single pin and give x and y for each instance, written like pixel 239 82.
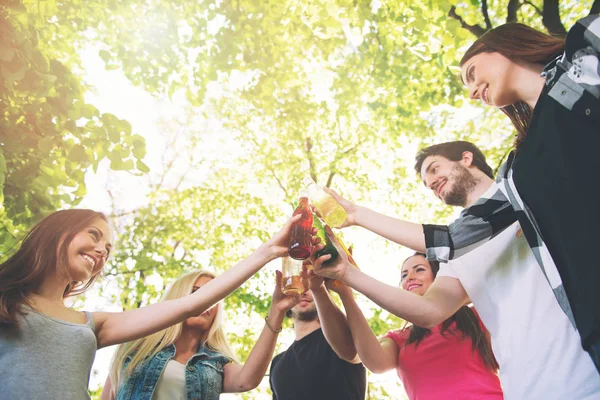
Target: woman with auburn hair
pixel 192 359
pixel 451 360
pixel 550 89
pixel 60 257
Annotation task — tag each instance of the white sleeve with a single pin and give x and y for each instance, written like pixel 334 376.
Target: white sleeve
pixel 446 269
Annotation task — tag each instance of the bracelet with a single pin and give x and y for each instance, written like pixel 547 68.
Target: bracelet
pixel 270 327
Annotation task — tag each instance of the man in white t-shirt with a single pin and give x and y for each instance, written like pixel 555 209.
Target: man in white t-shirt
pixel 537 347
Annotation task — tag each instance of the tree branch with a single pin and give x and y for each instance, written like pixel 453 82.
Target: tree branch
pixel 551 19
pixel 486 16
pixel 537 9
pixel 330 178
pixel 311 160
pixel 279 182
pixel 511 10
pixel 595 7
pixel 474 29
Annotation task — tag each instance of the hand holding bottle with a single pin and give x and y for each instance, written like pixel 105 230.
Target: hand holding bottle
pixel 336 269
pixel 283 302
pixel 277 246
pixel 313 280
pixel 349 207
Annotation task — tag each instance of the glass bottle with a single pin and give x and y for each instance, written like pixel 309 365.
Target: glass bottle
pixel 331 211
pixel 291 281
pixel 300 247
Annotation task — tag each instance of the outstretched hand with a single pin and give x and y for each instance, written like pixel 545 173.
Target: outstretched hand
pixel 281 301
pixel 335 269
pixel 348 206
pixel 280 242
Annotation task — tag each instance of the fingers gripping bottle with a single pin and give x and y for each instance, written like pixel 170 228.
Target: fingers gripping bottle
pixel 331 211
pixel 301 240
pixel 326 240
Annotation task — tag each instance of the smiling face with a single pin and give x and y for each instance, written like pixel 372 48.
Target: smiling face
pixel 88 250
pixel 417 275
pixel 450 181
pixel 204 321
pixel 489 78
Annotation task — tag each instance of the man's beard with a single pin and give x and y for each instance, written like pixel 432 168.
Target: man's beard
pixel 306 316
pixel 463 184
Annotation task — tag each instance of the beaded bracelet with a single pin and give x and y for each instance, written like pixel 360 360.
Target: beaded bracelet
pixel 270 327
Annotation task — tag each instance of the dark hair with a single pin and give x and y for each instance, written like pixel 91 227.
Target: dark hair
pixel 24 271
pixel 467 324
pixel 518 42
pixel 453 151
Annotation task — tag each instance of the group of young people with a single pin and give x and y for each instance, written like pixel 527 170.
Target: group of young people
pixel 521 253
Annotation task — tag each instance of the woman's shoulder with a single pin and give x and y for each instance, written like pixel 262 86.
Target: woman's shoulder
pixel 399 336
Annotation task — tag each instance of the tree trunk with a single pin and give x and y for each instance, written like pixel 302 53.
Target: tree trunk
pixel 551 19
pixel 511 10
pixel 474 29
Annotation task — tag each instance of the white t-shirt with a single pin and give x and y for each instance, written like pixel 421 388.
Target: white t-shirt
pixel 171 384
pixel 537 348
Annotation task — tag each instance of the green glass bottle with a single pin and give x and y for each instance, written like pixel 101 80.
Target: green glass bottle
pixel 326 240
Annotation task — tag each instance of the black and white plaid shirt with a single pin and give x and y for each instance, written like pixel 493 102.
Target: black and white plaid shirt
pixel 573 80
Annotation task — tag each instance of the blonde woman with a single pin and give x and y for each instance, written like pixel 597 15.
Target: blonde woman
pixel 192 360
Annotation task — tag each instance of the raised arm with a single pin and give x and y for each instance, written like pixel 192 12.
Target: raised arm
pixel 114 328
pixel 377 355
pixel 405 233
pixel 241 378
pixel 333 321
pixel 445 296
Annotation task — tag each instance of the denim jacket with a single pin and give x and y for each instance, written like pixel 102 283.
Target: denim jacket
pixel 203 375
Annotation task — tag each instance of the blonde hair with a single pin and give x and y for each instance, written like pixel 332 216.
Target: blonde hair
pixel 145 348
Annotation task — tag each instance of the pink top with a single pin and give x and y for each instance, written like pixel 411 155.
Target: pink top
pixel 444 367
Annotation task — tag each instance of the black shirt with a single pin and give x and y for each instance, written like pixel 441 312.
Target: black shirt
pixel 557 175
pixel 310 370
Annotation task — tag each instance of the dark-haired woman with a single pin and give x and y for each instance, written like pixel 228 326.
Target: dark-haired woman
pixel 550 90
pixel 451 360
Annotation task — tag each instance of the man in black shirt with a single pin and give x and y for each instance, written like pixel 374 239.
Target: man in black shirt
pixel 322 363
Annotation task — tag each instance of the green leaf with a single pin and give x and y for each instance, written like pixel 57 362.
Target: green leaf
pixel 78 154
pixel 89 111
pixel 104 55
pixel 142 167
pixel 120 165
pixel 2 168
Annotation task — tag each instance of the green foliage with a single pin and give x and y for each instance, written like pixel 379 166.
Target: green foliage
pixel 343 91
pixel 49 135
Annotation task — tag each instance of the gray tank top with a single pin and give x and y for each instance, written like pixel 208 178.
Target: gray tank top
pixel 46 358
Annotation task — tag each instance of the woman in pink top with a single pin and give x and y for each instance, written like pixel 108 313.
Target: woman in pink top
pixel 454 360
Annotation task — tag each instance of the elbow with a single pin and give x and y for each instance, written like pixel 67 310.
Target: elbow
pixel 248 385
pixel 248 382
pixel 376 368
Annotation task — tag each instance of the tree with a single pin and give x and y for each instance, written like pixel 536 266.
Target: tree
pixel 345 92
pixel 49 135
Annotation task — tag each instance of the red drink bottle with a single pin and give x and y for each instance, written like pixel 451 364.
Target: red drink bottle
pixel 301 241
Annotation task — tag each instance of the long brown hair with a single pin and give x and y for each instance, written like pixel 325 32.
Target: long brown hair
pixel 518 42
pixel 467 324
pixel 42 251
